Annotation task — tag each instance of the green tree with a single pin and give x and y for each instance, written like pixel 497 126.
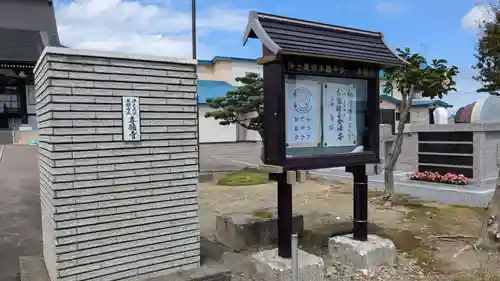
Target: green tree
pixel 243 106
pixel 430 80
pixel 487 50
pixel 488 67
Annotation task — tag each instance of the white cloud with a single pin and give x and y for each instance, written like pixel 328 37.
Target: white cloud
pixel 391 6
pixel 476 16
pixel 146 27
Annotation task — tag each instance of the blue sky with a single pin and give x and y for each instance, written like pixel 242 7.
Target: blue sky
pixel 434 28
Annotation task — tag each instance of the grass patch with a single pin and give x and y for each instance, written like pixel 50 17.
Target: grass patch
pixel 263 215
pixel 244 177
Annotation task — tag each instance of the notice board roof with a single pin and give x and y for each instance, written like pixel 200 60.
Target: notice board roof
pixel 282 35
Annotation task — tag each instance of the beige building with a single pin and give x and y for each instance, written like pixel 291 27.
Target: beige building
pixel 216 77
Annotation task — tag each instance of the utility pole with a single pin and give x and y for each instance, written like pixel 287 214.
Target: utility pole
pixel 193 26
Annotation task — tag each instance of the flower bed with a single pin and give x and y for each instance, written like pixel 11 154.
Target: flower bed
pixel 448 178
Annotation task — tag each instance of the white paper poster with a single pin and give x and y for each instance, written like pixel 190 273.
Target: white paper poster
pixel 131 119
pixel 339 114
pixel 303 113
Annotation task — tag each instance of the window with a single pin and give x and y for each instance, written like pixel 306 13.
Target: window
pixel 9 100
pixel 399 117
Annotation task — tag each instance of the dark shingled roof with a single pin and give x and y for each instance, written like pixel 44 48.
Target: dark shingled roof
pixel 283 35
pixel 26 28
pixel 24 45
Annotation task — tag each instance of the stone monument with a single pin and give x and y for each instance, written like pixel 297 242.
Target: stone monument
pixel 118 147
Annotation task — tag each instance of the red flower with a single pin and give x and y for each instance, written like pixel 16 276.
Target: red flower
pixel 449 178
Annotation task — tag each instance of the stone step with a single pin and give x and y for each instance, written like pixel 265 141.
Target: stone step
pixel 209 272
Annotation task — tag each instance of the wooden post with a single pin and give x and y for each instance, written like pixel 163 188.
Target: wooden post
pixel 284 217
pixel 360 223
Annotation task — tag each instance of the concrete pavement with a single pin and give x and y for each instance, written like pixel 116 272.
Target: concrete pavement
pixel 20 224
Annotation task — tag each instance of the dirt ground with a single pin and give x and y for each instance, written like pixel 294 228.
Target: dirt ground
pixel 325 206
pixel 414 226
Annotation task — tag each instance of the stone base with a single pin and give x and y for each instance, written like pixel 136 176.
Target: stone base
pixel 268 266
pixel 32 268
pixel 240 231
pixel 377 251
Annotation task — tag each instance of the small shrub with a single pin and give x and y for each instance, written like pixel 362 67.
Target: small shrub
pixel 448 178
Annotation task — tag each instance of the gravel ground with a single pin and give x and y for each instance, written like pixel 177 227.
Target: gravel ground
pixel 324 204
pixel 405 270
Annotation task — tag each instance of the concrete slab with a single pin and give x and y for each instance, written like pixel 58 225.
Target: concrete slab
pixel 267 266
pixel 375 252
pixel 212 272
pixel 240 231
pixel 33 269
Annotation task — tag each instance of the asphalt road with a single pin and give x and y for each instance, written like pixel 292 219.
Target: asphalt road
pixel 20 224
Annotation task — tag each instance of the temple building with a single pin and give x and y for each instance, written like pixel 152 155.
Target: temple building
pixel 26 28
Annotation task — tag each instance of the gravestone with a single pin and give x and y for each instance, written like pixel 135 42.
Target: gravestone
pixel 481 111
pixel 118 147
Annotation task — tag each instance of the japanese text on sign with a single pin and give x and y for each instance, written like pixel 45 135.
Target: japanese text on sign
pixel 339 115
pixel 131 119
pixel 303 113
pixel 329 69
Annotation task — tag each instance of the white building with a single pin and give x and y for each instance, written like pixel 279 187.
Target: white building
pixel 216 78
pixel 421 111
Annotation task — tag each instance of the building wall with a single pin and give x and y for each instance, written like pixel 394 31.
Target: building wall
pixel 240 69
pixel 227 71
pixel 223 71
pixel 206 72
pixel 212 131
pixel 418 115
pixel 112 209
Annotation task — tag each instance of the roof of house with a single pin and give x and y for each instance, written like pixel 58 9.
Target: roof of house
pixel 212 89
pixel 24 35
pixel 223 58
pixel 25 45
pixel 282 35
pixel 417 102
